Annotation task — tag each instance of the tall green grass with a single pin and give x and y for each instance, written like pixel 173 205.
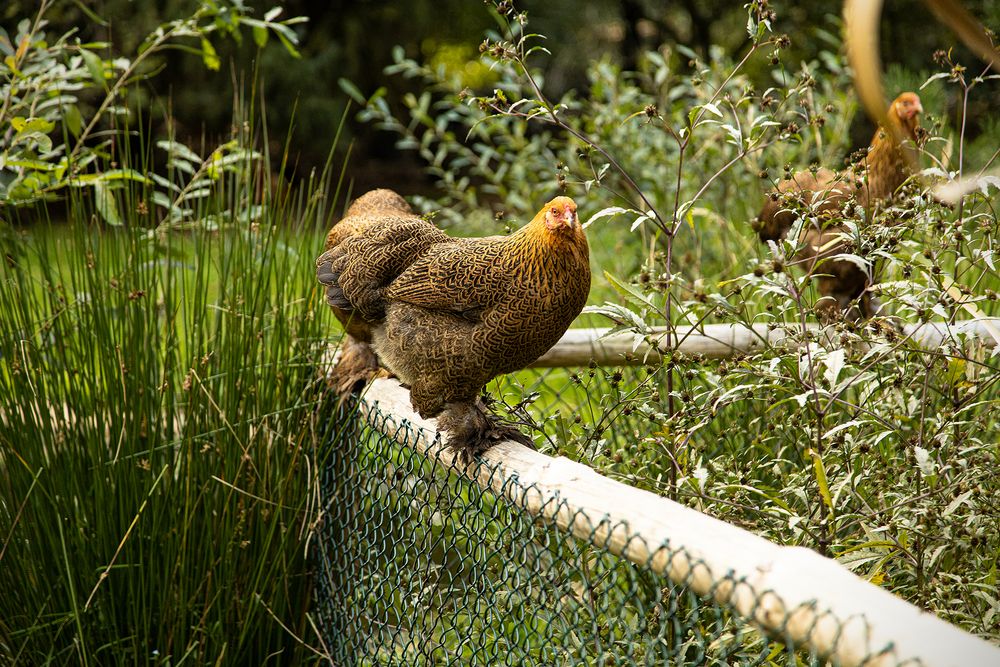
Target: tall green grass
pixel 158 424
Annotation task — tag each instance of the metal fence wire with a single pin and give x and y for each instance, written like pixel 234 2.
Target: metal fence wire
pixel 419 565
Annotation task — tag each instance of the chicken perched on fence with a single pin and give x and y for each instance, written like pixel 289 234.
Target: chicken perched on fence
pixel 825 194
pixel 448 315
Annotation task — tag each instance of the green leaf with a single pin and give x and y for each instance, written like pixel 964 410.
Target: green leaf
pixel 11 64
pixel 924 461
pixel 73 120
pixel 41 141
pixel 834 362
pixel 824 488
pixel 162 200
pixel 352 91
pixel 607 212
pixel 112 175
pixel 198 193
pixel 286 34
pixel 40 125
pixel 26 125
pixel 286 42
pixel 164 183
pixel 628 291
pixel 177 149
pixel 708 106
pixel 28 163
pixel 95 66
pixel 619 314
pixel 260 36
pixel 104 200
pixel 209 56
pixel 870 544
pixel 643 217
pixel 955 371
pixel 219 160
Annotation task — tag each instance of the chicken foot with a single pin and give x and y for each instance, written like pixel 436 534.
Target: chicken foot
pixel 355 368
pixel 472 429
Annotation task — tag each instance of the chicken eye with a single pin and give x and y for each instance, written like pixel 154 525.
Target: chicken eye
pixel 554 211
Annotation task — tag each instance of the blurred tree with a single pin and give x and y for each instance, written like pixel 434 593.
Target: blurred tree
pixel 353 39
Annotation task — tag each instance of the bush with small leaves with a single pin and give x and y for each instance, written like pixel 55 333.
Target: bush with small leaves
pixel 856 439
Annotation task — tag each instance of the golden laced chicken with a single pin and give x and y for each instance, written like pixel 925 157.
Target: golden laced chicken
pixel 825 195
pixel 448 315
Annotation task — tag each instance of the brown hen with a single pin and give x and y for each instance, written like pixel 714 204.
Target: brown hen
pixel 825 195
pixel 466 311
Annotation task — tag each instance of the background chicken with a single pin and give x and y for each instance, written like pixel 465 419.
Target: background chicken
pixel 457 313
pixel 824 194
pixel 378 214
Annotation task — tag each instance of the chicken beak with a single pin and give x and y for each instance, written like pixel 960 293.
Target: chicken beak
pixel 569 217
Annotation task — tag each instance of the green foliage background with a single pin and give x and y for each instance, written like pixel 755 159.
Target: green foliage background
pixel 354 40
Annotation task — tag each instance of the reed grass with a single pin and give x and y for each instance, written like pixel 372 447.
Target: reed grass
pixel 158 431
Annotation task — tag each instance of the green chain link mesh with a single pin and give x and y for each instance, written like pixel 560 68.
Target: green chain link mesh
pixel 418 565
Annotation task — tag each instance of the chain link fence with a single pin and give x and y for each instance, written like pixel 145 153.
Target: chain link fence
pixel 423 563
pixel 420 566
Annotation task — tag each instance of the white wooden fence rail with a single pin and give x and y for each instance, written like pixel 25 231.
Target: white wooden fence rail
pixel 578 346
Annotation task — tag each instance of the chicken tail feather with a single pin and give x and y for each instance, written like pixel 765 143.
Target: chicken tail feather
pixel 328 274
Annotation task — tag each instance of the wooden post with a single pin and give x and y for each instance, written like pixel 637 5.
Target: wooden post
pixel 787 591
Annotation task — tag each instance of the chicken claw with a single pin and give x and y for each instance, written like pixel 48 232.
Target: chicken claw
pixel 472 429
